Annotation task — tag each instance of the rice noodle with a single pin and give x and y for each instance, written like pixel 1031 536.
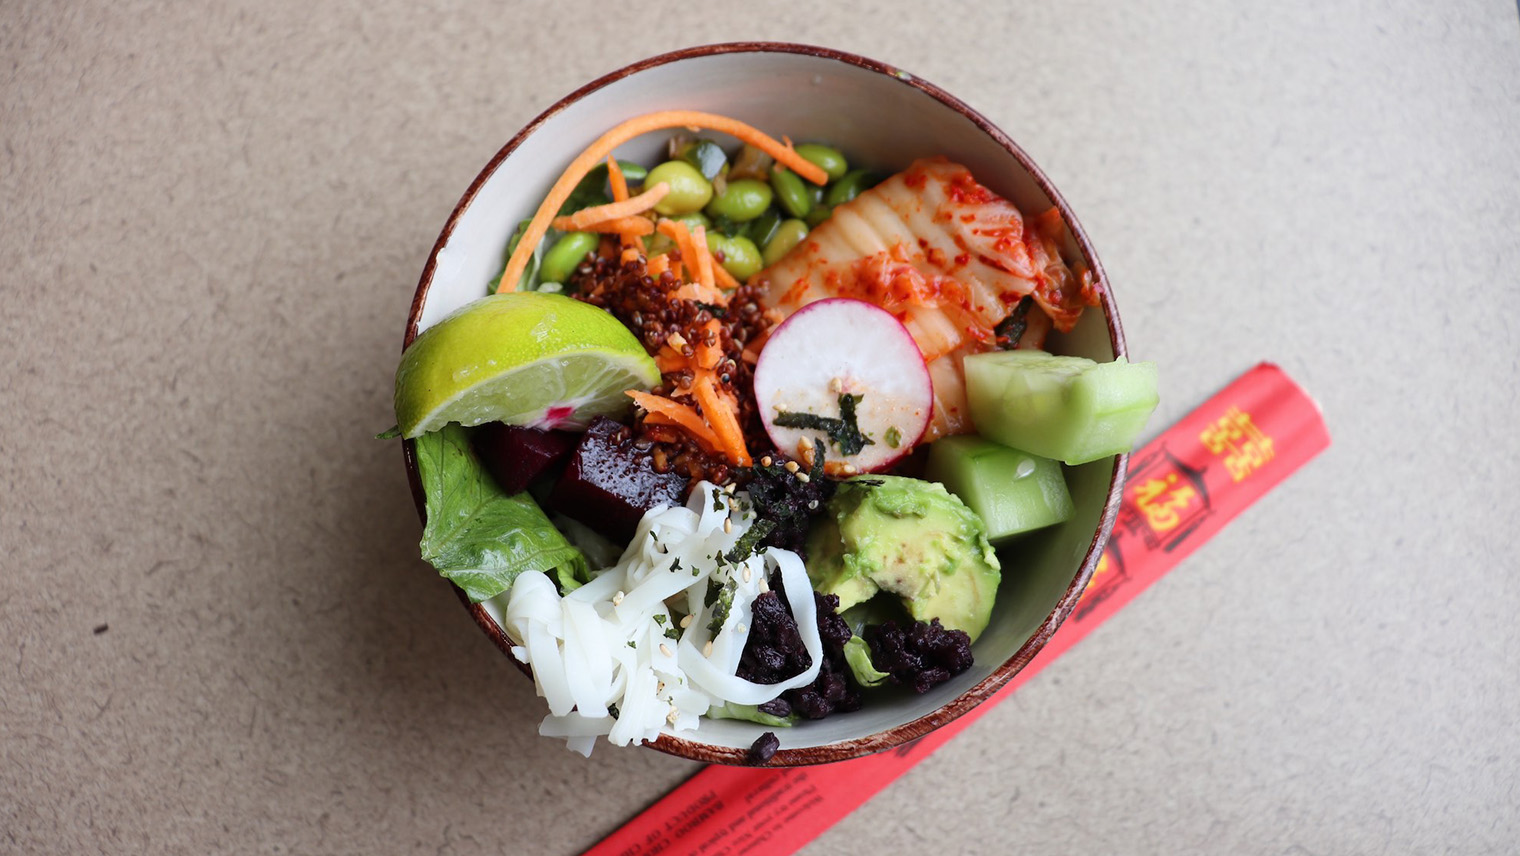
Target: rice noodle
pixel 611 659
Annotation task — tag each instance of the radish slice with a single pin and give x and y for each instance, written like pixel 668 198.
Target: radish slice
pixel 837 347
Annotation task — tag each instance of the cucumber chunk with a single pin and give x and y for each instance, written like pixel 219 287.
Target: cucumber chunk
pixel 1012 491
pixel 1067 408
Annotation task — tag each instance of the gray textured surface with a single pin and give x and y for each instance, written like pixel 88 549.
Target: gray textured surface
pixel 213 222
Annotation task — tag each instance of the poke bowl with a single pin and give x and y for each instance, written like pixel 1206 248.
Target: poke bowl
pixel 889 125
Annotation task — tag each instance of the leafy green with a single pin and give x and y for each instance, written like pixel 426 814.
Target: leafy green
pixel 477 536
pixel 529 281
pixel 750 713
pixel 707 156
pixel 390 433
pixel 858 654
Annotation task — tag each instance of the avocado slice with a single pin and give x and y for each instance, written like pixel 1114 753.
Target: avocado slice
pixel 910 538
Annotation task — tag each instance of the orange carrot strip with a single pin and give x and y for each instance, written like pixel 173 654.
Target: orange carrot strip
pixel 634 226
pixel 691 255
pixel 723 279
pixel 678 414
pixel 619 186
pixel 578 221
pixel 658 265
pixel 724 422
pixel 708 356
pixel 704 256
pixel 616 180
pixel 623 133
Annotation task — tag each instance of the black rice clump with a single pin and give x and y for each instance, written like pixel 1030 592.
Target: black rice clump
pixel 774 652
pixel 791 503
pixel 921 656
pixel 763 749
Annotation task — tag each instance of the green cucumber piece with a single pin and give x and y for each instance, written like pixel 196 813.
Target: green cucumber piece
pixel 1067 408
pixel 1012 491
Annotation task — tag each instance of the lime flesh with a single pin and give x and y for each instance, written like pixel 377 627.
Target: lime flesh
pixel 524 358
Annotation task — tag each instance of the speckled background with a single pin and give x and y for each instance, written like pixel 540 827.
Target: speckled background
pixel 213 220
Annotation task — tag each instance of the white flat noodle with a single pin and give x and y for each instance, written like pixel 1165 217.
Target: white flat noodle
pixel 533 598
pixel 582 745
pixel 574 725
pixel 587 671
pixel 602 587
pixel 588 653
pixel 549 669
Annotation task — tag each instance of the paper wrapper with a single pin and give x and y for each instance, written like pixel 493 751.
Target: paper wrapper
pixel 1182 488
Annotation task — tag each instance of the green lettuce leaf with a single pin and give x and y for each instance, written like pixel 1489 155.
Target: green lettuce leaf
pixel 750 713
pixel 477 536
pixel 858 654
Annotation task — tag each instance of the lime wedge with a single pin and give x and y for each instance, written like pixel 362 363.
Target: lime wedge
pixel 524 358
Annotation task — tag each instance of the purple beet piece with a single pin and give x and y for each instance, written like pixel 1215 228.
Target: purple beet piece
pixel 515 455
pixel 610 483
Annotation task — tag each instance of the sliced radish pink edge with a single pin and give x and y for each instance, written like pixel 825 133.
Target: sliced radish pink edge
pixel 836 346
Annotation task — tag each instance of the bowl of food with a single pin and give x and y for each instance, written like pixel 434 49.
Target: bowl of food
pixel 763 451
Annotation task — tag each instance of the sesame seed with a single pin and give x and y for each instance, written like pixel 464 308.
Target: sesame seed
pixel 803 477
pixel 791 466
pixel 675 713
pixel 729 488
pixel 686 622
pixel 805 444
pixel 741 628
pixel 676 340
pixel 665 649
pixel 707 649
pixel 617 599
pixel 765 461
pixel 836 386
pixel 747 574
pixel 728 524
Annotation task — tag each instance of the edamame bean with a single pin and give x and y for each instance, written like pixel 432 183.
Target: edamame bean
pixel 819 214
pixel 830 160
pixel 689 191
pixel 788 235
pixel 850 186
pixel 791 192
pixel 741 257
pixel 741 201
pixel 566 255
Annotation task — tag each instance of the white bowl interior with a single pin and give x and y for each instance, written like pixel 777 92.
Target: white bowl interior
pixel 880 122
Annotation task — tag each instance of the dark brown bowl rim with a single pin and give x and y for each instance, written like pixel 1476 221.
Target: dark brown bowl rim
pixel 909 731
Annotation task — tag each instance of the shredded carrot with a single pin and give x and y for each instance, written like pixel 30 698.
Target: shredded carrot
pixel 709 350
pixel 721 416
pixel 708 441
pixel 629 254
pixel 678 414
pixel 658 265
pixel 616 180
pixel 704 256
pixel 624 132
pixel 612 210
pixel 724 279
pixel 692 253
pixel 619 186
pixel 634 226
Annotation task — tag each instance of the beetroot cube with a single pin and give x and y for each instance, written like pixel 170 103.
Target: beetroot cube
pixel 610 483
pixel 515 455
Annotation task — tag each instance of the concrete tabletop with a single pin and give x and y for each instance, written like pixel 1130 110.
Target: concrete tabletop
pixel 216 635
